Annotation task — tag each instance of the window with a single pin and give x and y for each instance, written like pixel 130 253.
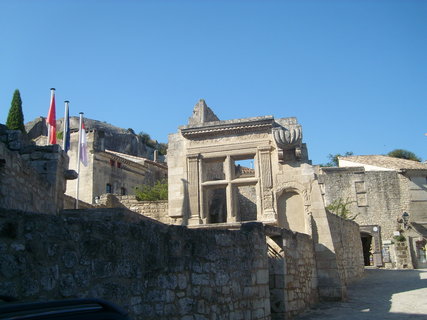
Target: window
pixel 109 188
pixel 229 183
pixel 112 162
pixel 244 168
pixel 361 197
pixel 123 191
pixel 119 164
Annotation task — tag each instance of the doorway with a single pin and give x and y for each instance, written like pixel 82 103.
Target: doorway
pixel 367 248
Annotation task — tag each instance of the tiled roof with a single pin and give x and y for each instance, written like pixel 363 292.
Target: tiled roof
pixel 136 159
pixel 387 162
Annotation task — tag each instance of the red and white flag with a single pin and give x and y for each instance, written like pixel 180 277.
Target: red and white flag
pixel 51 119
pixel 83 146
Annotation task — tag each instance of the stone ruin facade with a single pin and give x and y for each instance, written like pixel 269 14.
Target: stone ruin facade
pixel 210 181
pixel 225 173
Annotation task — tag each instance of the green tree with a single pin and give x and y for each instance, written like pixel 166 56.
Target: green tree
pixel 403 154
pixel 333 159
pixel 145 137
pixel 15 118
pixel 152 193
pixel 341 208
pixel 162 147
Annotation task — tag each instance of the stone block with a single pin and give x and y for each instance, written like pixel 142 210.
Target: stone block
pixel 200 279
pixel 262 276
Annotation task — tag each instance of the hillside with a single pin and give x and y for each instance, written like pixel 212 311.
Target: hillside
pixel 115 138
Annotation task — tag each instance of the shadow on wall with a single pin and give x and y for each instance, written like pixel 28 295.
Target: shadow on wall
pixel 277 273
pixel 185 203
pixel 330 285
pixel 246 200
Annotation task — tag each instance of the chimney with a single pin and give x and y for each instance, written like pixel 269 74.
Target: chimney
pixel 156 155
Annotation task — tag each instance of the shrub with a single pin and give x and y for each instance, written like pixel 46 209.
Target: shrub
pixel 152 193
pixel 400 238
pixel 340 208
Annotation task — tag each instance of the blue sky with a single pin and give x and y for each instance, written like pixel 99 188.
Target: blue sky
pixel 354 73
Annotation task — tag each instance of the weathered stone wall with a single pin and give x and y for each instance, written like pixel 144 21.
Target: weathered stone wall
pixel 70 203
pixel 375 196
pixel 246 203
pixel 29 174
pixel 152 270
pixel 293 276
pixel 157 210
pixel 348 247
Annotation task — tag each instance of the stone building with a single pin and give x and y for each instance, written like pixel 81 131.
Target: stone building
pixel 118 159
pixel 224 173
pixel 379 190
pixel 110 171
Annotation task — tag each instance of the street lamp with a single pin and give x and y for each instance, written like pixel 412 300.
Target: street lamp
pixel 405 219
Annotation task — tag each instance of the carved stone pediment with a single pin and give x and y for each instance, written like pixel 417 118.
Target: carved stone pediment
pixel 223 128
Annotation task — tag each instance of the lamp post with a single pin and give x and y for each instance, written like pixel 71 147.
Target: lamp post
pixel 405 219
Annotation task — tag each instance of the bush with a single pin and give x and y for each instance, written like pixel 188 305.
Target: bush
pixel 400 238
pixel 152 193
pixel 340 208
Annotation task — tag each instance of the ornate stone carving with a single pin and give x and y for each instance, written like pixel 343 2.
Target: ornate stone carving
pixel 287 134
pixel 193 186
pixel 227 127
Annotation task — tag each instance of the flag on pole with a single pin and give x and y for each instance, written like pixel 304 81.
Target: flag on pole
pixel 66 142
pixel 51 119
pixel 83 145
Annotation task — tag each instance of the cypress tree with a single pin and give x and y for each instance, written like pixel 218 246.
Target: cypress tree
pixel 15 118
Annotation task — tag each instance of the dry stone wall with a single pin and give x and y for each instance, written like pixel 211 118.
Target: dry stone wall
pixel 348 247
pixel 153 270
pixel 375 197
pixel 70 203
pixel 157 210
pixel 293 276
pixel 29 174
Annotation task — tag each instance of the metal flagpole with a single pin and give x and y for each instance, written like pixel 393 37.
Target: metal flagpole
pixel 78 159
pixel 64 132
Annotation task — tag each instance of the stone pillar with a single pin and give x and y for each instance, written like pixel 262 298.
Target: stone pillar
pixel 266 183
pixel 193 189
pixel 229 175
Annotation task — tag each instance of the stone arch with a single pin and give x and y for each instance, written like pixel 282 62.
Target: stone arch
pixel 293 207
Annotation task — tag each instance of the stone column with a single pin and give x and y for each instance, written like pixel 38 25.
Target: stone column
pixel 229 175
pixel 266 183
pixel 193 189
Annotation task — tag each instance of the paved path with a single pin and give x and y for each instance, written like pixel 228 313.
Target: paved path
pixel 381 294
